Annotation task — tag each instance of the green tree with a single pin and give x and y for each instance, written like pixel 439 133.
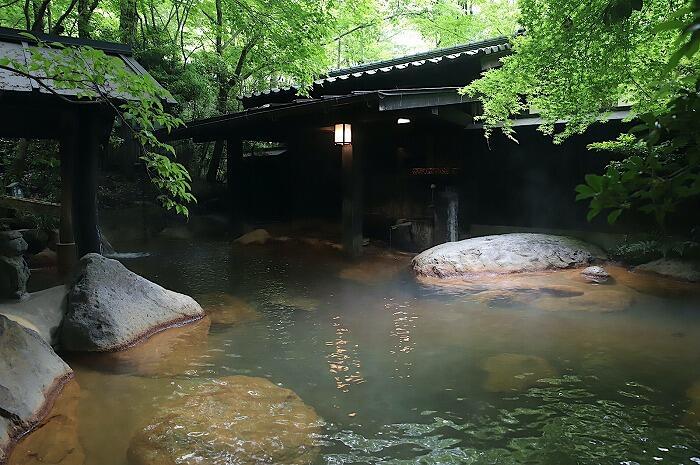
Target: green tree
pixel 577 63
pixel 451 22
pixel 658 168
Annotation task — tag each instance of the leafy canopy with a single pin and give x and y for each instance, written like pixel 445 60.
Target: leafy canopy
pixel 659 169
pixel 578 61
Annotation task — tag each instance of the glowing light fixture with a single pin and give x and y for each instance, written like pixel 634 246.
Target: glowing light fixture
pixel 403 121
pixel 343 134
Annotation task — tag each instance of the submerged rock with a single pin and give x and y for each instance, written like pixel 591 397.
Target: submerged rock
pixel 517 295
pixel 42 311
pixel 376 269
pixel 226 309
pixel 515 372
pixel 672 268
pixel 110 308
pixel 297 302
pixel 56 441
pixel 504 254
pixel 31 374
pixel 257 237
pixel 595 274
pixel 232 420
pixel 654 284
pixel 603 300
pixel 173 352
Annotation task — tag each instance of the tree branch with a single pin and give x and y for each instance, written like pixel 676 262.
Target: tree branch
pixel 39 16
pixel 59 21
pixel 41 83
pixel 376 21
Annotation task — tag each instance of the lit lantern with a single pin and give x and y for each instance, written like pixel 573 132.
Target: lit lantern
pixel 343 134
pixel 403 121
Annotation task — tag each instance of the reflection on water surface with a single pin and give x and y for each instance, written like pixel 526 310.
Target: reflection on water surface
pixel 405 373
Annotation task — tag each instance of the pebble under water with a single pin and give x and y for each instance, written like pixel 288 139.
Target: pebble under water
pixel 407 373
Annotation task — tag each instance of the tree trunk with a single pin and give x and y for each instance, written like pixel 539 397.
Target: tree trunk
pixel 57 28
pixel 39 8
pixel 84 14
pixel 215 162
pixel 222 97
pixel 127 21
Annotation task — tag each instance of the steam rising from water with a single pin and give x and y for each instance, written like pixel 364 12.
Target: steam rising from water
pixel 399 371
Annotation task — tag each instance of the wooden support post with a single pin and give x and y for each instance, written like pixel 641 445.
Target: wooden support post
pixel 352 201
pixel 452 199
pixel 234 180
pixel 66 250
pixel 93 130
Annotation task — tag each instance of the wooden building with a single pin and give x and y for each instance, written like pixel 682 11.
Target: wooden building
pixel 32 110
pixel 417 171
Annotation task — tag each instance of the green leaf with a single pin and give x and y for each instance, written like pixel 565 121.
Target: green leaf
pixel 595 182
pixel 614 215
pixel 592 213
pixel 584 192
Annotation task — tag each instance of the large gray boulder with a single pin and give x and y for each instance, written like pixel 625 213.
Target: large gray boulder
pixel 110 308
pixel 503 254
pixel 31 375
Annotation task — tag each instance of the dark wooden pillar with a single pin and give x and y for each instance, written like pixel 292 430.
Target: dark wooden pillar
pixel 234 180
pixel 66 249
pixel 92 132
pixel 352 199
pixel 452 201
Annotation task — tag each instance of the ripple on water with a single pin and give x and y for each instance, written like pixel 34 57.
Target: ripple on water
pixel 400 357
pixel 559 425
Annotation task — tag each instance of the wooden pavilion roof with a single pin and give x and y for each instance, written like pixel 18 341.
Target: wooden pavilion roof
pixel 451 66
pixel 15 45
pixel 28 109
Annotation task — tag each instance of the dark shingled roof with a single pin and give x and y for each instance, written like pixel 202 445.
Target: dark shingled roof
pixel 428 59
pixel 496 44
pixel 16 46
